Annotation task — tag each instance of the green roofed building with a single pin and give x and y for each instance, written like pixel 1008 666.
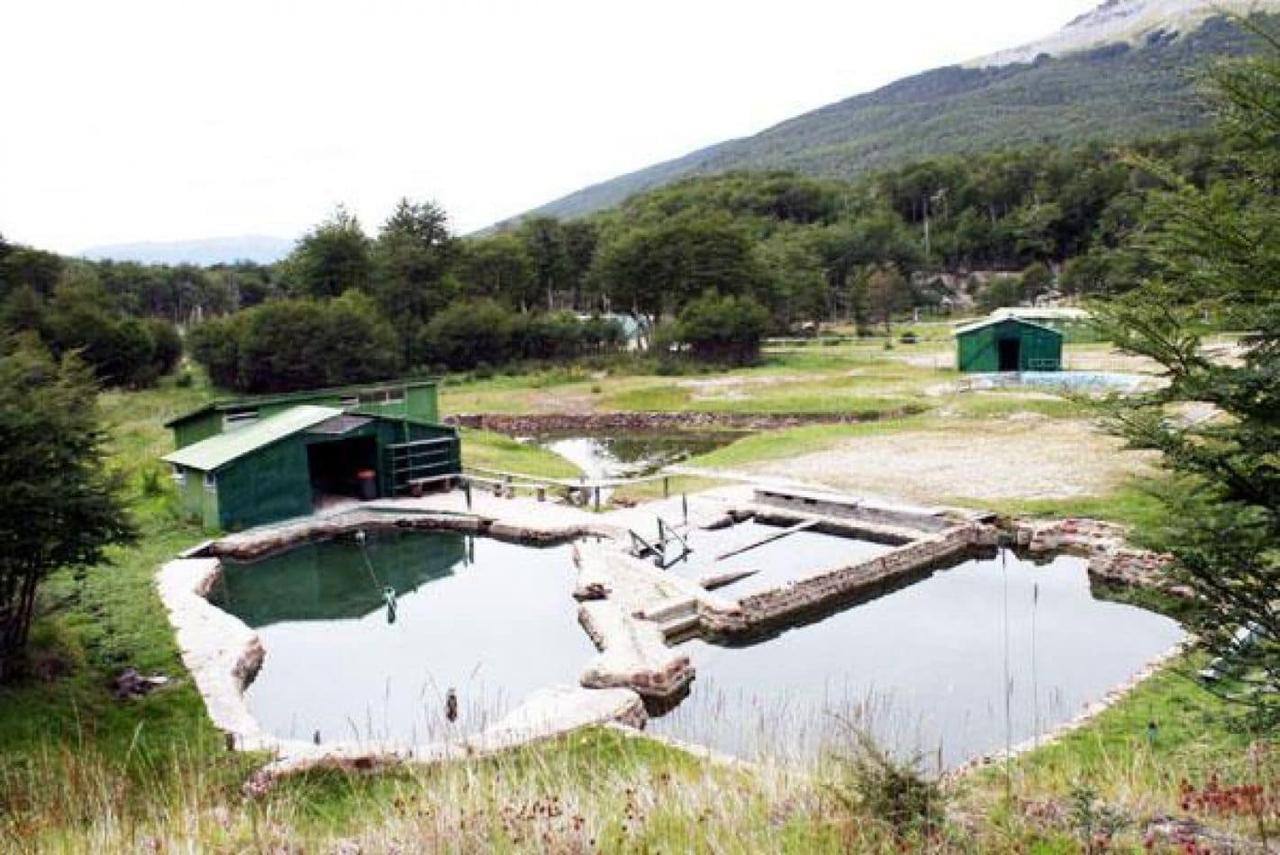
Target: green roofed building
pixel 259 460
pixel 1000 344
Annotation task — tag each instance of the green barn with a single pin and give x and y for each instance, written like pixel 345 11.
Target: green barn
pixel 1002 344
pixel 293 457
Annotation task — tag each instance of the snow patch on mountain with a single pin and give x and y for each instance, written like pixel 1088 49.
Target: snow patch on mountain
pixel 1128 21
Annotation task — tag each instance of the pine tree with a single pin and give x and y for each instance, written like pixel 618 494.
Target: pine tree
pixel 1216 253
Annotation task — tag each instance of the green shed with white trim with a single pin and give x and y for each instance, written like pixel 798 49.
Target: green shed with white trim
pixel 1003 344
pixel 305 457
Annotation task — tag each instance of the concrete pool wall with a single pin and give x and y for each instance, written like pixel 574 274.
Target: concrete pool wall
pixel 630 609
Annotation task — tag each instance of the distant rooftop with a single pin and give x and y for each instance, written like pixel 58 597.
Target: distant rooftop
pixel 300 396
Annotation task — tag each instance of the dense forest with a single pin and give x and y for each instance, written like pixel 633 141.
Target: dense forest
pixel 770 251
pixel 1114 94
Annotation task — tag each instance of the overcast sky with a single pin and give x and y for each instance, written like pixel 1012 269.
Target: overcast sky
pixel 131 121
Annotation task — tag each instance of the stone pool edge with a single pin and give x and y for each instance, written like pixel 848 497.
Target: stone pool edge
pixel 223 654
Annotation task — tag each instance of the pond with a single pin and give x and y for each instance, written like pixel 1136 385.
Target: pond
pixel 632 454
pixel 492 620
pixel 774 562
pixel 922 667
pixel 1066 381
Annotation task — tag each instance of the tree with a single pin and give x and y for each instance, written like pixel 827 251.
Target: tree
pixel 722 328
pixel 498 268
pixel 580 241
pixel 1219 247
pixel 1036 281
pixel 658 269
pixel 468 334
pixel 1000 292
pixel 797 284
pixel 544 240
pixel 887 294
pixel 331 258
pixel 411 261
pixel 60 507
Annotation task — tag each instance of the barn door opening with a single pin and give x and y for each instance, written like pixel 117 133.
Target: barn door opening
pixel 336 469
pixel 1010 354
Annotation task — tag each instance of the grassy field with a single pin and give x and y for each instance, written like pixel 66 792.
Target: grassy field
pixel 81 771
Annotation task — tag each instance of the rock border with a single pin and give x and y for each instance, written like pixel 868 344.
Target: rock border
pixel 629 609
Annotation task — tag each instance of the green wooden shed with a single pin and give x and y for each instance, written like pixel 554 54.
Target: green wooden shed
pixel 1000 344
pixel 416 399
pixel 307 456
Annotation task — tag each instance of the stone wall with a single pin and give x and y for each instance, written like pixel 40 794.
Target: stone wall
pixel 265 541
pixel 770 607
pixel 1110 559
pixel 525 425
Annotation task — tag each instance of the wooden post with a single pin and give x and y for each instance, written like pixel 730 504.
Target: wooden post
pixel 542 493
pixel 666 486
pixel 597 497
pixel 466 489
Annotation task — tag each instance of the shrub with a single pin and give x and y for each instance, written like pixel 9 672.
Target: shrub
pixel 874 784
pixel 285 345
pixel 467 334
pixel 722 329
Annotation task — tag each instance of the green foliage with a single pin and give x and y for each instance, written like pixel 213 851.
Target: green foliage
pixel 468 334
pixel 1114 94
pixel 1219 247
pixel 82 318
pixel 485 333
pixel 286 345
pixel 332 258
pixel 657 270
pixel 873 784
pixel 411 263
pixel 722 328
pixel 60 507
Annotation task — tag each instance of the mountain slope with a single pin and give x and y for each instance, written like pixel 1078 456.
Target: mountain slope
pixel 1114 93
pixel 256 248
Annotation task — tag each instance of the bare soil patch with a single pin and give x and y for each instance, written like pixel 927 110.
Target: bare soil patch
pixel 1027 457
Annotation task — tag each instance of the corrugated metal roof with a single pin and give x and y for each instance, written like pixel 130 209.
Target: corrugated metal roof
pixel 302 396
pixel 988 322
pixel 217 451
pixel 340 425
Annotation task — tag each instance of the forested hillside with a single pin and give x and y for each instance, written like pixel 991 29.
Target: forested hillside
pixel 736 255
pixel 1115 93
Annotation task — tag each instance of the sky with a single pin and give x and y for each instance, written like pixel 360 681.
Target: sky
pixel 155 121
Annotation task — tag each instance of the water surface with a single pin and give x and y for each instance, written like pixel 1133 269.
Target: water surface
pixel 923 667
pixel 493 620
pixel 786 559
pixel 633 454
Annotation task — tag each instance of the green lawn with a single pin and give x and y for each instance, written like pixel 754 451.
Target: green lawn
pixel 80 771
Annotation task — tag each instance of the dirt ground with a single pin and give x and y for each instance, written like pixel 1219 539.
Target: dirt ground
pixel 1022 457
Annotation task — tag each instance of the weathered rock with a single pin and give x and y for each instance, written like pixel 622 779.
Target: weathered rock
pixel 130 684
pixel 633 653
pixel 832 585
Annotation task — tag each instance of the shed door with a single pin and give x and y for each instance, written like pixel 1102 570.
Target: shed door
pixel 1010 353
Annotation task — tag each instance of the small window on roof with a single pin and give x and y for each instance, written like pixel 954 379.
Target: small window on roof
pixel 239 417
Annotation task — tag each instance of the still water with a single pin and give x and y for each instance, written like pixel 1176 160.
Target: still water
pixel 923 667
pixel 495 621
pixel 775 563
pixel 635 453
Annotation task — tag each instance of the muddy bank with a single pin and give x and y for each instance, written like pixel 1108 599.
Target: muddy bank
pixel 538 423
